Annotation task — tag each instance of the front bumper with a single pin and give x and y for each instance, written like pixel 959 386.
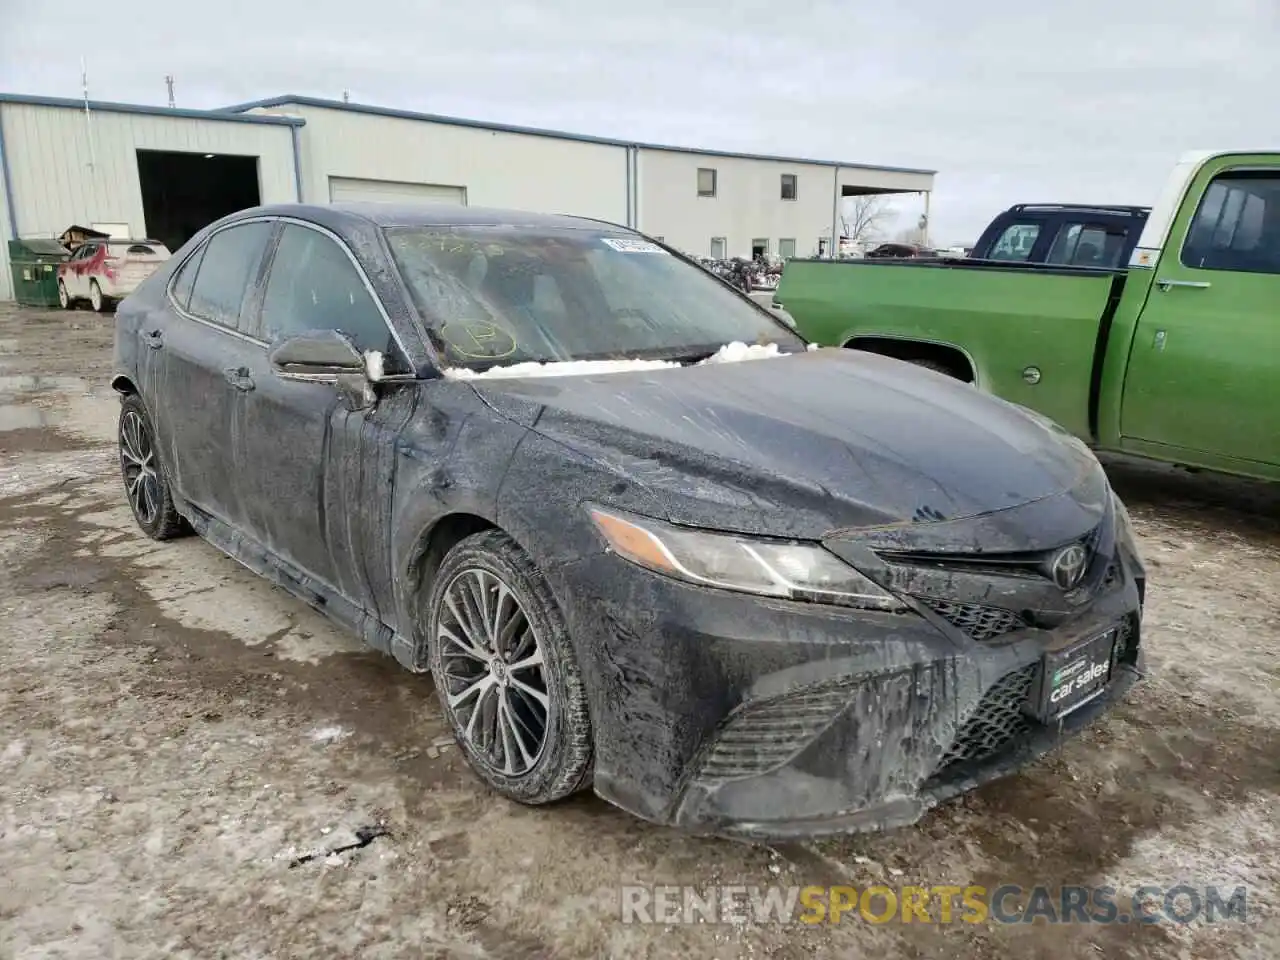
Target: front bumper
pixel 762 719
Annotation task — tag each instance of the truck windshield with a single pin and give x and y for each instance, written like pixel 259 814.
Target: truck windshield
pixel 504 295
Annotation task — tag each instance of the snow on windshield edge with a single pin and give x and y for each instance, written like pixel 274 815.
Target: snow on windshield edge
pixel 729 353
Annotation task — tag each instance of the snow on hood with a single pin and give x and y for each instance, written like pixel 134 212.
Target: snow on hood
pixel 729 353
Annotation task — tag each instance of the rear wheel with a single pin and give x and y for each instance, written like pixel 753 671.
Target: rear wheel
pixel 506 673
pixel 146 483
pixel 96 299
pixel 64 298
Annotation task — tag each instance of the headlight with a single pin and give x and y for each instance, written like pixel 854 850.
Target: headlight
pixel 796 571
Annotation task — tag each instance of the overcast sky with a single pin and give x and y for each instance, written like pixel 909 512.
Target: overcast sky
pixel 1010 100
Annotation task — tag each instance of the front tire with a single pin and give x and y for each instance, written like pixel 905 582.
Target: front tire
pixel 64 298
pixel 506 673
pixel 96 299
pixel 146 482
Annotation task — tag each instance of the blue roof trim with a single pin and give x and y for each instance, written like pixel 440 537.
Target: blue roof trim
pixel 104 106
pixel 293 100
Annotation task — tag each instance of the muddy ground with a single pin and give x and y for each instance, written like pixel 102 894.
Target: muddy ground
pixel 175 733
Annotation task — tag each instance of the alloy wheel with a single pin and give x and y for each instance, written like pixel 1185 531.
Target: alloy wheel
pixel 138 461
pixel 64 299
pixel 494 672
pixel 95 297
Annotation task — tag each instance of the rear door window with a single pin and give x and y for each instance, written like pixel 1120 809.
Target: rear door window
pixel 1016 242
pixel 185 279
pixel 313 285
pixel 228 267
pixel 1086 245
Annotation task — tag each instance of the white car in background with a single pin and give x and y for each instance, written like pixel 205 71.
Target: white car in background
pixel 105 271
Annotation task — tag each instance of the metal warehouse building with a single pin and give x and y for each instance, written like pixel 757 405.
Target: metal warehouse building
pixel 163 173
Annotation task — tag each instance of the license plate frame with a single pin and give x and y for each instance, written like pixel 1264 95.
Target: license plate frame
pixel 1072 677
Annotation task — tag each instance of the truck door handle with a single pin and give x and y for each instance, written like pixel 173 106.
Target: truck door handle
pixel 154 339
pixel 1193 284
pixel 239 378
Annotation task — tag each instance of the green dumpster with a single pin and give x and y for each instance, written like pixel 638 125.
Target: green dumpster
pixel 34 265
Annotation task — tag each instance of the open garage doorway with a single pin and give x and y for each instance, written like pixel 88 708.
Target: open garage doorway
pixel 184 192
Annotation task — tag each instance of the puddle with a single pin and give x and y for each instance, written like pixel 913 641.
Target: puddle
pixel 21 417
pixel 24 382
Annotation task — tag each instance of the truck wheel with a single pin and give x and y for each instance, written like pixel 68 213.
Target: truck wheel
pixel 64 298
pixel 96 299
pixel 933 365
pixel 506 673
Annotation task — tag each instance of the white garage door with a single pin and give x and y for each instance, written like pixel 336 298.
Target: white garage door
pixel 391 191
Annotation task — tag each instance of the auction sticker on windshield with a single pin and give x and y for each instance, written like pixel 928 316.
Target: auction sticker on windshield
pixel 627 245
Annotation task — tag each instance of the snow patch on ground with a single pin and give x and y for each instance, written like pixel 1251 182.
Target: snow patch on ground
pixel 1229 851
pixel 329 734
pixel 729 353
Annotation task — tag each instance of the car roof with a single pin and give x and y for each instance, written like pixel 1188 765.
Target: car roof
pixel 338 216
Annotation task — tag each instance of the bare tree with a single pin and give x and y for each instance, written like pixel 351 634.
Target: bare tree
pixel 863 218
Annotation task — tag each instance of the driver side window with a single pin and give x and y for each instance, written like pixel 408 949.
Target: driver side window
pixel 314 286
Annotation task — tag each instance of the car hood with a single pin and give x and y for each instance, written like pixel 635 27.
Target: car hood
pixel 804 444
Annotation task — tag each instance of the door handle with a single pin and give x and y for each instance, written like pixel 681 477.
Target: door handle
pixel 154 339
pixel 1192 284
pixel 239 378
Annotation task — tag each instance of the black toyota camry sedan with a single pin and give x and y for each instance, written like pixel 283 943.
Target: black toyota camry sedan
pixel 642 535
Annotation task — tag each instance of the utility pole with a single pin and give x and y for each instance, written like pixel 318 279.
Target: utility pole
pixel 88 119
pixel 168 82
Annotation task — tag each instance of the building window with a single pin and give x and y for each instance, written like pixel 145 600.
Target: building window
pixel 787 248
pixel 706 182
pixel 759 247
pixel 788 186
pixel 717 248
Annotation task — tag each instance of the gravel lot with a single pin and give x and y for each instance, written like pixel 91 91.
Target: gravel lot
pixel 175 733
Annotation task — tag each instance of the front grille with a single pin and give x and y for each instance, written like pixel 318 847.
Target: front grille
pixel 997 721
pixel 764 736
pixel 980 622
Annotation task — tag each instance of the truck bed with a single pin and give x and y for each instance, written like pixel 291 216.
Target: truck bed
pixel 1013 311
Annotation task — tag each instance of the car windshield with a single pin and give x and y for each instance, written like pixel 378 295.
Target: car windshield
pixel 504 295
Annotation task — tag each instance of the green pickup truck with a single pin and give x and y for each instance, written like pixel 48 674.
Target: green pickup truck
pixel 1175 357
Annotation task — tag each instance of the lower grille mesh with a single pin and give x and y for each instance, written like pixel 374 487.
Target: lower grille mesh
pixel 764 737
pixel 980 622
pixel 998 720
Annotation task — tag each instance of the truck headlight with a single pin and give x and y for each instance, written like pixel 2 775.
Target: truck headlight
pixel 771 568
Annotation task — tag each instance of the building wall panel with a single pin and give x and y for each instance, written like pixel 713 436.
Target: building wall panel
pixel 748 203
pixel 497 168
pixel 66 171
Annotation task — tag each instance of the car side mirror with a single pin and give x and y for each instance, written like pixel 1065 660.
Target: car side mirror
pixel 324 353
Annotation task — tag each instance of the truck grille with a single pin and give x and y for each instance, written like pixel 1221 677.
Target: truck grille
pixel 982 623
pixel 997 721
pixel 762 737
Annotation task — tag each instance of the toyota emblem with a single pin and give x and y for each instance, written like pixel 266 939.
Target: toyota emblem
pixel 1068 566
